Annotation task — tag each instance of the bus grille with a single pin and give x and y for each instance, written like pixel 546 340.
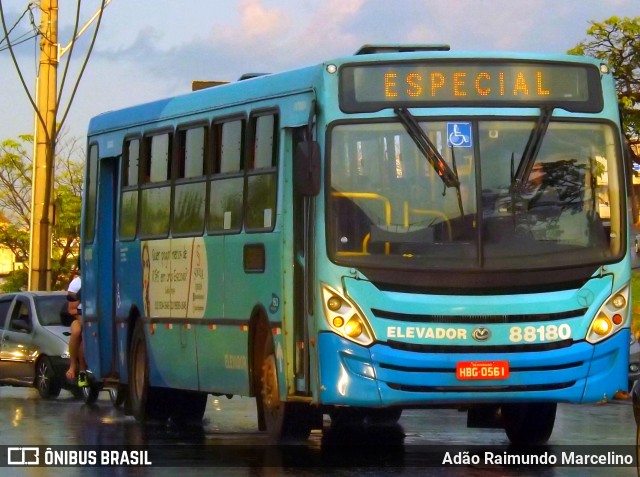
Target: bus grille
pixel 519 348
pixel 477 319
pixel 515 369
pixel 486 389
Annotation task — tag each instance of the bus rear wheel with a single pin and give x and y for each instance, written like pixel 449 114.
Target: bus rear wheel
pixel 283 420
pixel 188 406
pixel 146 402
pixel 529 423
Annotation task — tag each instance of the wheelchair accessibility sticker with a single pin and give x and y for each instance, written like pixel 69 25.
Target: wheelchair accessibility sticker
pixel 459 135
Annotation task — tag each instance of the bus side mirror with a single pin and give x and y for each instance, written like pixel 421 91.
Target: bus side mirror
pixel 306 169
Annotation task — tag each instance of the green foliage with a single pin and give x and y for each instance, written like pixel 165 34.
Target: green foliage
pixel 616 41
pixel 16 280
pixel 15 208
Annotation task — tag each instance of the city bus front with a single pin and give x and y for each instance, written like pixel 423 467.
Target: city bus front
pixel 475 225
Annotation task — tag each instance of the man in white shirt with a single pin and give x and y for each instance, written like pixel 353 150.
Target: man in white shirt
pixel 77 364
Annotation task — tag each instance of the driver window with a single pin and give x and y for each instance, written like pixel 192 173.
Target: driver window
pixel 20 317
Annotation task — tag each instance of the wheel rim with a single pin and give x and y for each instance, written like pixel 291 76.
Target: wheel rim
pixel 42 377
pixel 270 390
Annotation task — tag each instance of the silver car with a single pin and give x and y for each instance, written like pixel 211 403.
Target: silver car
pixel 634 361
pixel 34 350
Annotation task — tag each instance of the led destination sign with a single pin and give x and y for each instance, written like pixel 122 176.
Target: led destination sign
pixel 371 87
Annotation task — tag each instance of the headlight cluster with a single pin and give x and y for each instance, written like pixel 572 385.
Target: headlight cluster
pixel 610 317
pixel 345 318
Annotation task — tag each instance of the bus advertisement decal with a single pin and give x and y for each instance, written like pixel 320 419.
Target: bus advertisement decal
pixel 174 276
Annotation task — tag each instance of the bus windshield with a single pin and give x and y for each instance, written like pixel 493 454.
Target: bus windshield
pixel 387 206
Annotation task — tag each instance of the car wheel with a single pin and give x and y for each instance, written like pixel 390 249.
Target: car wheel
pixel 46 382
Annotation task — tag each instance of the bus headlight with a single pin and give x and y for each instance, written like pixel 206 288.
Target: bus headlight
pixel 602 325
pixel 345 318
pixel 610 317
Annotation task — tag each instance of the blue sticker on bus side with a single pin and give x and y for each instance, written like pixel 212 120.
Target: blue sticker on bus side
pixel 459 135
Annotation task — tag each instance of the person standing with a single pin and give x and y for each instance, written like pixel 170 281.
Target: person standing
pixel 77 364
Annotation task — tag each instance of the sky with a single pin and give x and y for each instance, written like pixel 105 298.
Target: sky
pixel 151 49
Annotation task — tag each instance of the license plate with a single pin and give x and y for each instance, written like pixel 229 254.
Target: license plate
pixel 467 370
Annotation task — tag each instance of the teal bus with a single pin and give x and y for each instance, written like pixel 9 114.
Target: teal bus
pixel 406 227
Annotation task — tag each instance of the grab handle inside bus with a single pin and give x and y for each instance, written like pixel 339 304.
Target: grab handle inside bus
pixel 306 168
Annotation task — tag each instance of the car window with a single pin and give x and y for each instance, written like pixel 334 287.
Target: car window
pixel 5 304
pixel 48 308
pixel 21 317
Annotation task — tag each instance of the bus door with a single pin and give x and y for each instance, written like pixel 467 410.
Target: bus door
pixel 303 272
pixel 103 255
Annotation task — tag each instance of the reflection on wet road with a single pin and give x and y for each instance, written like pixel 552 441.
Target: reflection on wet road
pixel 228 440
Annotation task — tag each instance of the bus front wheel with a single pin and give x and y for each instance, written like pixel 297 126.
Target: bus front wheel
pixel 529 423
pixel 283 420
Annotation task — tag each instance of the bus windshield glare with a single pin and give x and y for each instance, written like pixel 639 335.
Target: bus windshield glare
pixel 389 208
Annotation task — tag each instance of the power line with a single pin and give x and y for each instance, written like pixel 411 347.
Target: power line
pixel 19 41
pixel 6 36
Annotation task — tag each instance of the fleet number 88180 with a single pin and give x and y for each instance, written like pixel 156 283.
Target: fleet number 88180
pixel 533 334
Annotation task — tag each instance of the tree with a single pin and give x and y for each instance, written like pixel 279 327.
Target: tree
pixel 47 105
pixel 616 41
pixel 15 202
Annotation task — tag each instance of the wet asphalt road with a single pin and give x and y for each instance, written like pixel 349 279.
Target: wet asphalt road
pixel 228 443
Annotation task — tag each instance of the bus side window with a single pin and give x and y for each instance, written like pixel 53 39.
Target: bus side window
pixel 129 199
pixel 91 194
pixel 190 187
pixel 156 201
pixel 227 180
pixel 261 174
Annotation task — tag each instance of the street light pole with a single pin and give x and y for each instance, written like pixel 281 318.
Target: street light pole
pixel 44 150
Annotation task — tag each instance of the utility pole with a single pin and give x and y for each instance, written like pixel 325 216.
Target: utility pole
pixel 44 150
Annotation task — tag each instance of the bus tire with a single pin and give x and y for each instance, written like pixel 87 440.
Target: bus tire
pixel 529 423
pixel 146 402
pixel 347 417
pixel 283 420
pixel 188 406
pixel 383 416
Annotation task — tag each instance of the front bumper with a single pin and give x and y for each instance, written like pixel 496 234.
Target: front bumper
pixel 380 375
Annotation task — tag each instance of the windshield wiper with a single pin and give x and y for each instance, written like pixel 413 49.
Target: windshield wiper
pixel 531 150
pixel 449 178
